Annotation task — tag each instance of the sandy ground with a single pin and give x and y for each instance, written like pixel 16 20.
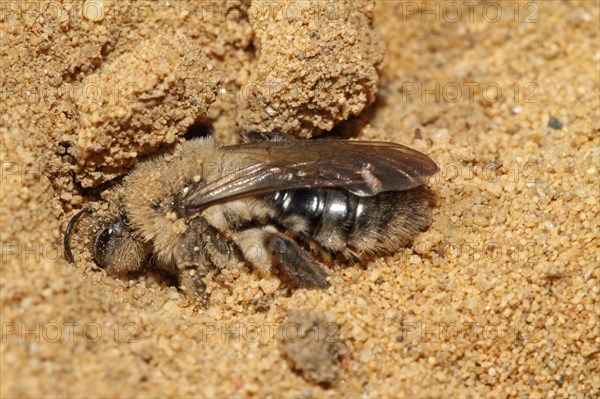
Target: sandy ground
pixel 499 298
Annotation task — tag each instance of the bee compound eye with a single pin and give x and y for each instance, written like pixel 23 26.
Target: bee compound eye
pixel 107 242
pixel 117 250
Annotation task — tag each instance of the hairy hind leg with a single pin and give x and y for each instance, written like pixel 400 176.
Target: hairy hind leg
pixel 267 249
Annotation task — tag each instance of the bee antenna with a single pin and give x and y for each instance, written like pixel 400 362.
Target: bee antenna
pixel 67 240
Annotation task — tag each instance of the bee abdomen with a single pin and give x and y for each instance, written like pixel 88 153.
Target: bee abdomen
pixel 314 212
pixel 341 221
pixel 305 204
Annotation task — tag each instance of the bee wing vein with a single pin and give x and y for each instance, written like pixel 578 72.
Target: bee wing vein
pixel 363 168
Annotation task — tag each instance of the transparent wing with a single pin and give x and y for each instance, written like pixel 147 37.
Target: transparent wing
pixel 364 168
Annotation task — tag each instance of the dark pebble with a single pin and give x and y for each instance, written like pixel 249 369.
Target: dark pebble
pixel 555 123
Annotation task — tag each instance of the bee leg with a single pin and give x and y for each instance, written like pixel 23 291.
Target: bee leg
pixel 267 249
pixel 193 264
pixel 221 250
pixel 202 250
pixel 191 281
pixel 294 263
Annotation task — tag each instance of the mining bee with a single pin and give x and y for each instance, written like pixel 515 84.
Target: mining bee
pixel 268 204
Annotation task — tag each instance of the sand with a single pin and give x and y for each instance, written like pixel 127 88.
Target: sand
pixel 499 298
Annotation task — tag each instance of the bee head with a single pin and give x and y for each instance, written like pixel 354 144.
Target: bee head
pixel 117 249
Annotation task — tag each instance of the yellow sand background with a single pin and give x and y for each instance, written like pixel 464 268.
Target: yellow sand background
pixel 498 299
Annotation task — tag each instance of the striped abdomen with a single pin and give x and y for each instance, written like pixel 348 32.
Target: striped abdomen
pixel 340 221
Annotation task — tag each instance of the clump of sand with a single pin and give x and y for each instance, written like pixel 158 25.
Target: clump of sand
pixel 311 344
pixel 318 63
pixel 142 99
